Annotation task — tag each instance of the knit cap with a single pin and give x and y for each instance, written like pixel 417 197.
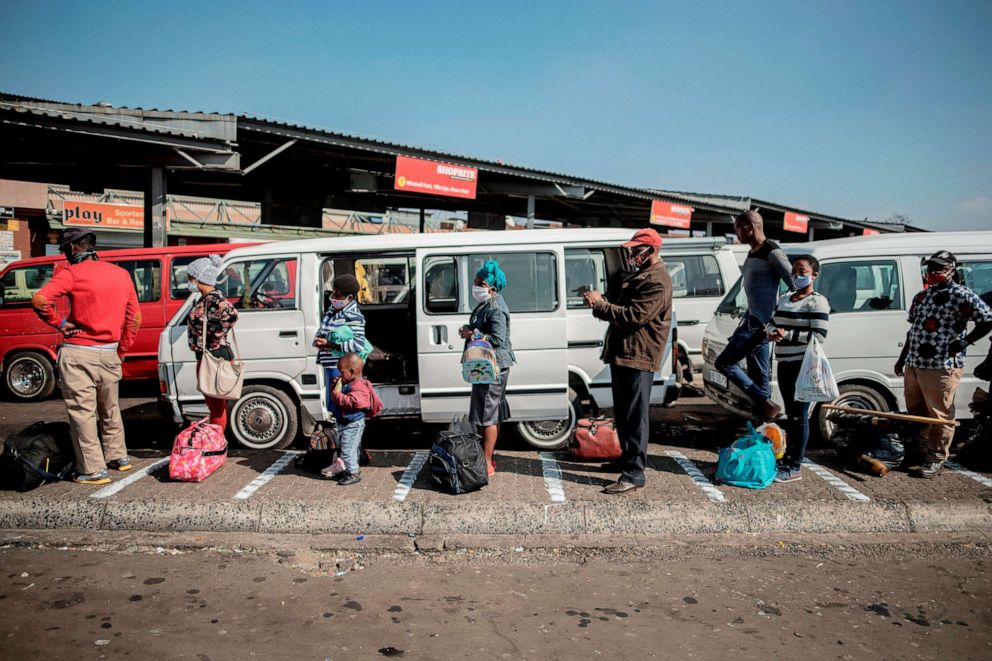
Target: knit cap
pixel 205 269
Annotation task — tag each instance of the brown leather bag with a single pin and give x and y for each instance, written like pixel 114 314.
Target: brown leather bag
pixel 595 439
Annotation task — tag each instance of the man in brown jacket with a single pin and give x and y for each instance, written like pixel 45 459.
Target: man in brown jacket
pixel 640 317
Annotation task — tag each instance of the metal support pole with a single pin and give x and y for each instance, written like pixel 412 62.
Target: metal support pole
pixel 423 220
pixel 709 228
pixel 812 231
pixel 530 212
pixel 155 232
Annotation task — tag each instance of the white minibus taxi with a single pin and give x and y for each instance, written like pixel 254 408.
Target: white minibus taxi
pixel 416 295
pixel 870 282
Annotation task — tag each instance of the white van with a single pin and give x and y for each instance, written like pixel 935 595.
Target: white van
pixel 870 282
pixel 416 296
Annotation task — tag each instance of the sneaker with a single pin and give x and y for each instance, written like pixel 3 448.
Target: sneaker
pixel 786 475
pixel 336 468
pixel 100 477
pixel 928 469
pixel 123 464
pixel 349 478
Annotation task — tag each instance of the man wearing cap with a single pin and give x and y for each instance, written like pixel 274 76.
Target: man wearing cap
pixel 102 323
pixel 640 317
pixel 766 265
pixel 932 358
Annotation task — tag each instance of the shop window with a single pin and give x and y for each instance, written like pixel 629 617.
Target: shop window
pixel 19 285
pixel 584 270
pixel 263 284
pixel 146 275
pixel 861 286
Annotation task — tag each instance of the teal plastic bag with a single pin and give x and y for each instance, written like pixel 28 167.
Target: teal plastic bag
pixel 749 462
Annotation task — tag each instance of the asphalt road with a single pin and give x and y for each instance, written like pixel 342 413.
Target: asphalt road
pixel 208 606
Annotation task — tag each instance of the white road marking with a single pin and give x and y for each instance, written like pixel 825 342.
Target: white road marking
pixel 836 482
pixel 111 489
pixel 410 475
pixel 977 477
pixel 552 477
pixel 697 476
pixel 266 475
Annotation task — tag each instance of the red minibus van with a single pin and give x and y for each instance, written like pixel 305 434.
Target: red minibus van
pixel 28 346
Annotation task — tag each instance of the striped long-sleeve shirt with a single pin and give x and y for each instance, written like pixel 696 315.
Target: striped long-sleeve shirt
pixel 351 316
pixel 799 319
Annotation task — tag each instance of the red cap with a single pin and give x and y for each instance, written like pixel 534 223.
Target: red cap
pixel 644 237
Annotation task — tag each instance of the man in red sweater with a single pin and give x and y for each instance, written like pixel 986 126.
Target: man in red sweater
pixel 101 326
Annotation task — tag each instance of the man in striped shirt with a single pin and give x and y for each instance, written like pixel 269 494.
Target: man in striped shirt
pixel 798 316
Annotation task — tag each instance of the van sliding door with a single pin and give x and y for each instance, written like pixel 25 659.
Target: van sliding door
pixel 538 382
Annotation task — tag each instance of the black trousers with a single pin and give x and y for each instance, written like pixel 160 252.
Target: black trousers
pixel 631 404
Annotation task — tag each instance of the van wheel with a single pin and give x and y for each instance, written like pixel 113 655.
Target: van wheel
pixel 855 396
pixel 264 418
pixel 552 434
pixel 29 376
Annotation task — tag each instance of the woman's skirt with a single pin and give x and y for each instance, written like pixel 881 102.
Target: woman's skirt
pixel 489 405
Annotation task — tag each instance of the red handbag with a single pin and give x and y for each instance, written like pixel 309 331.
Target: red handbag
pixel 595 439
pixel 198 451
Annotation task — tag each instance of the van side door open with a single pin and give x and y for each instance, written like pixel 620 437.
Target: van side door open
pixel 538 382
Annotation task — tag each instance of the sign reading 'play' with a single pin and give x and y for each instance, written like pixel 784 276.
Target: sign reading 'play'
pixel 670 214
pixel 435 178
pixel 98 214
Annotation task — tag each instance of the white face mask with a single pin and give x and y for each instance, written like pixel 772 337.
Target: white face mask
pixel 192 287
pixel 481 294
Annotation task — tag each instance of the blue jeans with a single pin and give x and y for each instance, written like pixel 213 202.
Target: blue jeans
pixel 350 440
pixel 797 426
pixel 749 342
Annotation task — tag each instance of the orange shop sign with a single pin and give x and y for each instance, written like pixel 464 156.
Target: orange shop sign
pixel 671 214
pixel 795 222
pixel 435 178
pixel 869 232
pixel 100 214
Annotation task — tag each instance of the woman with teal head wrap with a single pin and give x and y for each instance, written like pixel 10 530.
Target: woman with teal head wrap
pixel 491 320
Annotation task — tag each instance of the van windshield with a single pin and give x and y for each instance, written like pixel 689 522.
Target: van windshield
pixel 735 302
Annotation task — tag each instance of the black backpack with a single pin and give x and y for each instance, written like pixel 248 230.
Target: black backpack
pixel 457 462
pixel 41 453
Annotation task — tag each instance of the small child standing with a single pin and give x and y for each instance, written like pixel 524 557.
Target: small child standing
pixel 343 311
pixel 353 399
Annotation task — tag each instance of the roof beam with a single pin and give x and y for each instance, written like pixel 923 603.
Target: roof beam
pixel 272 154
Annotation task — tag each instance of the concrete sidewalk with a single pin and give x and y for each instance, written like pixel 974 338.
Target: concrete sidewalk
pixel 532 494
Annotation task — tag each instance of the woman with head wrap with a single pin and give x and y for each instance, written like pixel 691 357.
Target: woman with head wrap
pixel 490 319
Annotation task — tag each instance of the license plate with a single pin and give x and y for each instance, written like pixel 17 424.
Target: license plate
pixel 717 378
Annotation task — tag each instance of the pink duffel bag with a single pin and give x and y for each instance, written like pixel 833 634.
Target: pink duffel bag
pixel 198 451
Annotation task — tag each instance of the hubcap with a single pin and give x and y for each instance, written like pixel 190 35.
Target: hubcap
pixel 260 420
pixel 26 377
pixel 551 432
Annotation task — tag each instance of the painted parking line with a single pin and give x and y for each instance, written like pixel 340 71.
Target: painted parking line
pixel 697 476
pixel 111 489
pixel 977 477
pixel 552 477
pixel 836 482
pixel 410 475
pixel 266 475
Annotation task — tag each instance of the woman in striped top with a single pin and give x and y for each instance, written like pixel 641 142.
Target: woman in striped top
pixel 797 316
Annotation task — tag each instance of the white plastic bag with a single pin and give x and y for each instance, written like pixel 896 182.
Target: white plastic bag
pixel 816 380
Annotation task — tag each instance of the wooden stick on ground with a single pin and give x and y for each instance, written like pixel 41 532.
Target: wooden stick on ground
pixel 892 416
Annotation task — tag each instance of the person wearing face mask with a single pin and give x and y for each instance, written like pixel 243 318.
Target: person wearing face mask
pixel 798 316
pixel 343 310
pixel 203 275
pixel 639 313
pixel 490 319
pixel 102 323
pixel 932 358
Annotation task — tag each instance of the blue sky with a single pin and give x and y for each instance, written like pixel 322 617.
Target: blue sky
pixel 859 109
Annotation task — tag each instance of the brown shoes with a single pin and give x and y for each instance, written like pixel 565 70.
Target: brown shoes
pixel 620 487
pixel 770 410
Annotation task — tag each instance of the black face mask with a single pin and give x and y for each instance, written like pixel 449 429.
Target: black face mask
pixel 77 257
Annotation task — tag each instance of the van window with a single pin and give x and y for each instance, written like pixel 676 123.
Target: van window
pixel 861 286
pixel 735 302
pixel 441 284
pixel 178 289
pixel 585 269
pixel 262 284
pixel 532 279
pixel 977 276
pixel 382 280
pixel 146 274
pixel 694 276
pixel 20 285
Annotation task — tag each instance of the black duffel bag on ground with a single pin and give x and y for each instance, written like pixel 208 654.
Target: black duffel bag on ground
pixel 39 454
pixel 457 462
